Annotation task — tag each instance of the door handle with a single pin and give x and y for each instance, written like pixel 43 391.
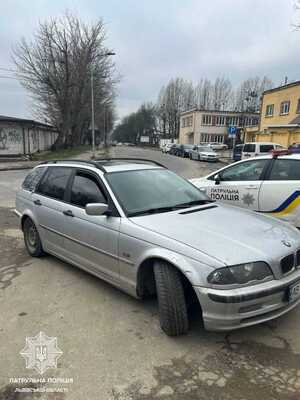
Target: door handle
pixel 37 202
pixel 68 213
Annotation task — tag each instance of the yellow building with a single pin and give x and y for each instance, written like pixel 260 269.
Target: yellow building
pixel 280 115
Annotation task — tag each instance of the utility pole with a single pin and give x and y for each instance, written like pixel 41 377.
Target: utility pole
pixel 107 54
pixel 93 115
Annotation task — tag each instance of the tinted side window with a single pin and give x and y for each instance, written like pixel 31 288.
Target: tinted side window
pixel 265 148
pixel 85 190
pixel 55 182
pixel 285 170
pixel 247 171
pixel 33 178
pixel 249 148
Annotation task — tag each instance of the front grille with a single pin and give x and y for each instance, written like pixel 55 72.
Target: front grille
pixel 287 264
pixel 298 258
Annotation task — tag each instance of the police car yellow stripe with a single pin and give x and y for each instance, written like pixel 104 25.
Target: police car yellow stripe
pixel 287 206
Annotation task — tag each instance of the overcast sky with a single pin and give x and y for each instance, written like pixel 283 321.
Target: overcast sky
pixel 156 40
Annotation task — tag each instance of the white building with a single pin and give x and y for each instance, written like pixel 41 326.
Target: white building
pixel 23 136
pixel 212 126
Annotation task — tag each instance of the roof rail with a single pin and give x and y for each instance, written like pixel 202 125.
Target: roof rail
pixel 89 162
pixel 139 160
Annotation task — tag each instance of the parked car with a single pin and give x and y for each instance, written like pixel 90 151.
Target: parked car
pixel 184 150
pixel 167 147
pixel 267 184
pixel 254 149
pixel 217 146
pixel 294 148
pixel 174 149
pixel 203 153
pixel 237 152
pixel 148 231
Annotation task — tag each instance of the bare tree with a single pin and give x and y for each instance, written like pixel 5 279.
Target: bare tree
pixel 248 94
pixel 56 68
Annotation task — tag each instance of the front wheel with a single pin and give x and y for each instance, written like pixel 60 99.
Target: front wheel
pixel 32 239
pixel 172 306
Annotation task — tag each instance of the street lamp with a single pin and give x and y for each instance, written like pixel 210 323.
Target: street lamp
pixel 109 53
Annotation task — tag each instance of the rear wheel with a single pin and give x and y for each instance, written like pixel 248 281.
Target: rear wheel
pixel 172 306
pixel 32 239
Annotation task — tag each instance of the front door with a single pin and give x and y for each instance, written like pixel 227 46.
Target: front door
pixel 239 184
pixel 91 241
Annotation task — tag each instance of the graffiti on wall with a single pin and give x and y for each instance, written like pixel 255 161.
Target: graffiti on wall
pixel 3 139
pixel 10 137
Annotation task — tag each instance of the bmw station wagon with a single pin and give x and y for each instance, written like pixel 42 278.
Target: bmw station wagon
pixel 144 229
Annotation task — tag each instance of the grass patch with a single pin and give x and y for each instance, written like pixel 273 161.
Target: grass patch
pixel 60 154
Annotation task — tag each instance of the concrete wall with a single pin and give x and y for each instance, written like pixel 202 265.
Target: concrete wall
pixel 15 139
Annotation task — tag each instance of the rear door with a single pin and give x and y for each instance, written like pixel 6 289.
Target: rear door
pixel 91 241
pixel 248 150
pixel 280 192
pixel 49 204
pixel 239 184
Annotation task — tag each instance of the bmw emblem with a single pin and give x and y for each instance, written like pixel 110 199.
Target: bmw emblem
pixel 286 243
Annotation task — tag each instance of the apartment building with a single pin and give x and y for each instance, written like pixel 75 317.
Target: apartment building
pixel 212 126
pixel 280 115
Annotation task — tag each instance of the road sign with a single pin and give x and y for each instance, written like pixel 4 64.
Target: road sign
pixel 232 131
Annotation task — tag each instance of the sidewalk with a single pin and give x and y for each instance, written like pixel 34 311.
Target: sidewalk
pixel 22 164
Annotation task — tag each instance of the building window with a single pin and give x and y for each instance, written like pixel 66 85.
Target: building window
pixel 284 107
pixel 206 119
pixel 298 106
pixel 270 110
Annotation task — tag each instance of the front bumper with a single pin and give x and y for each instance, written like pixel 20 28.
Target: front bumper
pixel 224 310
pixel 212 159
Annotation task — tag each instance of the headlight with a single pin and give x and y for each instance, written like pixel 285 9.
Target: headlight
pixel 240 274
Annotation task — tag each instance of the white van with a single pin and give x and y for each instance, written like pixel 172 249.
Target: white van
pixel 254 149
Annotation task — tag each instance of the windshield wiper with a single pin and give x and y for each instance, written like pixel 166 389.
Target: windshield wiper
pixel 153 211
pixel 157 210
pixel 195 203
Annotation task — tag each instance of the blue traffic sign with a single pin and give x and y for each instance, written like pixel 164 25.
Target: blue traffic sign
pixel 232 131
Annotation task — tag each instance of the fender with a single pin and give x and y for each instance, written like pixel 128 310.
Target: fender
pixel 195 271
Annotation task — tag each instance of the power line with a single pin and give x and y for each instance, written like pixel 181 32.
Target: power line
pixel 8 69
pixel 8 77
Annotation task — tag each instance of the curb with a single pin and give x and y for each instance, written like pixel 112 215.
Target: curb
pixel 16 168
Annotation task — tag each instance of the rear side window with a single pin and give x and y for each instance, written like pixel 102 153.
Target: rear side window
pixel 33 178
pixel 249 148
pixel 265 148
pixel 85 189
pixel 55 182
pixel 285 170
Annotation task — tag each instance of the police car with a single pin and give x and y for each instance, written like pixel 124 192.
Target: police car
pixel 268 184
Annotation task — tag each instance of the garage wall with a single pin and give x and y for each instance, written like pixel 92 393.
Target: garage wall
pixel 15 139
pixel 11 140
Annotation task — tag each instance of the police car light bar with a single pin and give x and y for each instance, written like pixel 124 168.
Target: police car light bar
pixel 276 153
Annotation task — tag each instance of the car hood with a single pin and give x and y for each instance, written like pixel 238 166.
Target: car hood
pixel 229 234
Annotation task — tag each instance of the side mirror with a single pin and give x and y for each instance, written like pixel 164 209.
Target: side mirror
pixel 96 208
pixel 217 179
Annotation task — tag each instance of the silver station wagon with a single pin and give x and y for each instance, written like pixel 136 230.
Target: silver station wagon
pixel 144 229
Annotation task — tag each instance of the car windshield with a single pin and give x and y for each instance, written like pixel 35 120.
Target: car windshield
pixel 152 191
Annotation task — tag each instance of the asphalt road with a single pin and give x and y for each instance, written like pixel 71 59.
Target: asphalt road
pixel 112 344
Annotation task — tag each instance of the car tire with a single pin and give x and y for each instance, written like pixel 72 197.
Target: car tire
pixel 32 239
pixel 173 315
pixel 191 157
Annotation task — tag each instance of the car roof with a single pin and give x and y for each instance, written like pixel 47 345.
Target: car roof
pixel 108 164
